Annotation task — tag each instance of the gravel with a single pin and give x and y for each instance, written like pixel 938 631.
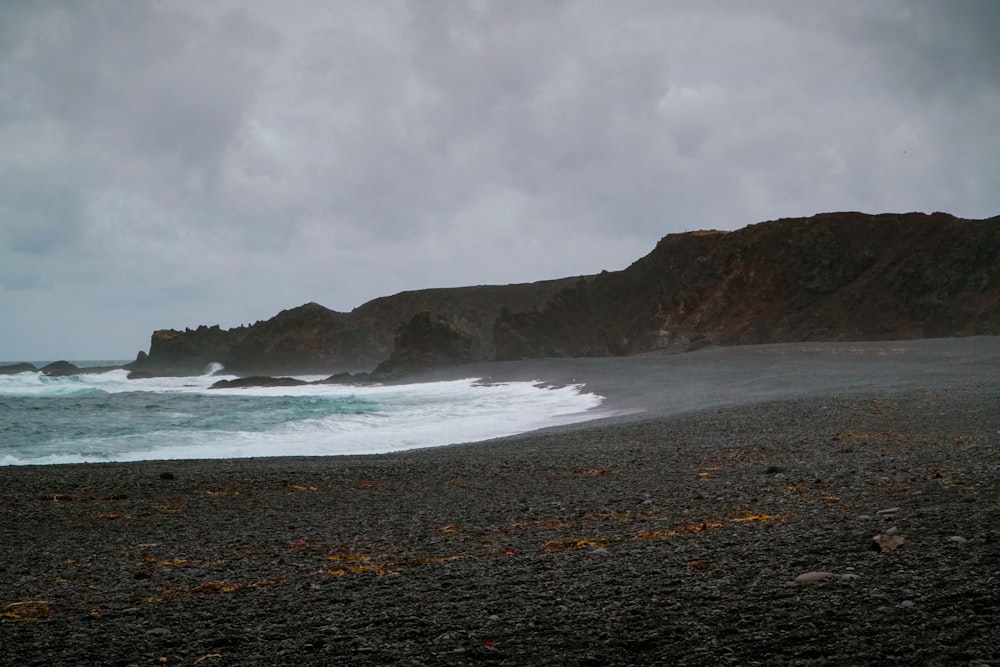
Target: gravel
pixel 734 535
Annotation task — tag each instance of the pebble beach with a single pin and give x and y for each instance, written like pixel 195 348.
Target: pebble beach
pixel 829 505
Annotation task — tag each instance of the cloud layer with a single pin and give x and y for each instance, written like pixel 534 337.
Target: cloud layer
pixel 168 164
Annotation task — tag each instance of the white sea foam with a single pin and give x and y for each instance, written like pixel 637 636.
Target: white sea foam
pixel 388 418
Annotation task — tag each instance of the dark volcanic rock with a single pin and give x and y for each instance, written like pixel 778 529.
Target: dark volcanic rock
pixel 306 339
pixel 347 378
pixel 476 307
pixel 257 381
pixel 594 546
pixel 11 369
pixel 188 352
pixel 834 276
pixel 314 339
pixel 427 342
pixel 60 368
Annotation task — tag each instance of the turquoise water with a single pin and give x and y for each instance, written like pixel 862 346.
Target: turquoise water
pixel 106 417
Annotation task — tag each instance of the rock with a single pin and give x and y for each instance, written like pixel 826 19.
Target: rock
pixel 427 342
pixel 891 510
pixel 884 542
pixel 188 352
pixel 166 475
pixel 313 339
pixel 812 577
pixel 12 369
pixel 258 381
pixel 347 378
pixel 60 369
pixel 832 276
pixel 773 470
pixel 957 539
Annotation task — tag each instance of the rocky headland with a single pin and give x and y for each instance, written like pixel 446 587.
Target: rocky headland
pixel 829 277
pixel 314 339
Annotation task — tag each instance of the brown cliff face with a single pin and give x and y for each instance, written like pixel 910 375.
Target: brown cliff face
pixel 186 352
pixel 306 339
pixel 314 339
pixel 473 309
pixel 427 342
pixel 834 276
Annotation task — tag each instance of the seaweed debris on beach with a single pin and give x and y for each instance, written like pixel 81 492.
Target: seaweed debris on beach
pixel 736 535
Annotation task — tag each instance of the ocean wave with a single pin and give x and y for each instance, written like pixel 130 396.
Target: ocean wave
pixel 171 418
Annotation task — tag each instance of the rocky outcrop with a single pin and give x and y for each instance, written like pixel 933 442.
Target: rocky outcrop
pixel 314 339
pixel 427 342
pixel 188 352
pixel 60 369
pixel 307 339
pixel 475 308
pixel 12 369
pixel 257 381
pixel 834 276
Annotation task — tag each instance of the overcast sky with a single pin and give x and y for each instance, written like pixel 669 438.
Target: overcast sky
pixel 175 163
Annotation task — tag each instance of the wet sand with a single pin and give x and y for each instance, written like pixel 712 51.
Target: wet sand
pixel 670 533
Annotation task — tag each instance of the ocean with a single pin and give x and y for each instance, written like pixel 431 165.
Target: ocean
pixel 107 417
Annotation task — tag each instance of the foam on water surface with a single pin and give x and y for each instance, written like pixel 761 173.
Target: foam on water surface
pixel 106 417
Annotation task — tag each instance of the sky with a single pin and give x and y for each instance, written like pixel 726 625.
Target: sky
pixel 171 163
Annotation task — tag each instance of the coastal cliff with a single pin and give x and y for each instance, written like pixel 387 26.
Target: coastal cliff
pixel 832 276
pixel 315 339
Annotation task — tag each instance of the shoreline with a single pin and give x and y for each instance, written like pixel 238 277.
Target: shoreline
pixel 641 387
pixel 670 537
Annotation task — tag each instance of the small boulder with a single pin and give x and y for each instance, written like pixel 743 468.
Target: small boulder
pixel 812 577
pixel 887 542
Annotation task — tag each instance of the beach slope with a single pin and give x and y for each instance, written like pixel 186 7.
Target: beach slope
pixel 678 535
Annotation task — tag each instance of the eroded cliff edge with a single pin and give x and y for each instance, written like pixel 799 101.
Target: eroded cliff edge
pixel 832 276
pixel 315 339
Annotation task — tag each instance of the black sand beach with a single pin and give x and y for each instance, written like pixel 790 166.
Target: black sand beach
pixel 670 534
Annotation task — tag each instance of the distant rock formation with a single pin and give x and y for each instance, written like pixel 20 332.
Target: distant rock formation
pixel 476 308
pixel 60 369
pixel 306 339
pixel 833 276
pixel 427 342
pixel 11 369
pixel 187 352
pixel 258 381
pixel 314 339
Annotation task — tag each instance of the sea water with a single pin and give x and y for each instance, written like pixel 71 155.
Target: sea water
pixel 107 417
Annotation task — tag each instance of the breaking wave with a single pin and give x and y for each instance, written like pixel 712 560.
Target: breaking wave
pixel 106 417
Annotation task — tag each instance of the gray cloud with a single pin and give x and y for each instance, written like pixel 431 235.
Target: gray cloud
pixel 176 163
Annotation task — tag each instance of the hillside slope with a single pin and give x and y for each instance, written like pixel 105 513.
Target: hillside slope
pixel 314 339
pixel 833 276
